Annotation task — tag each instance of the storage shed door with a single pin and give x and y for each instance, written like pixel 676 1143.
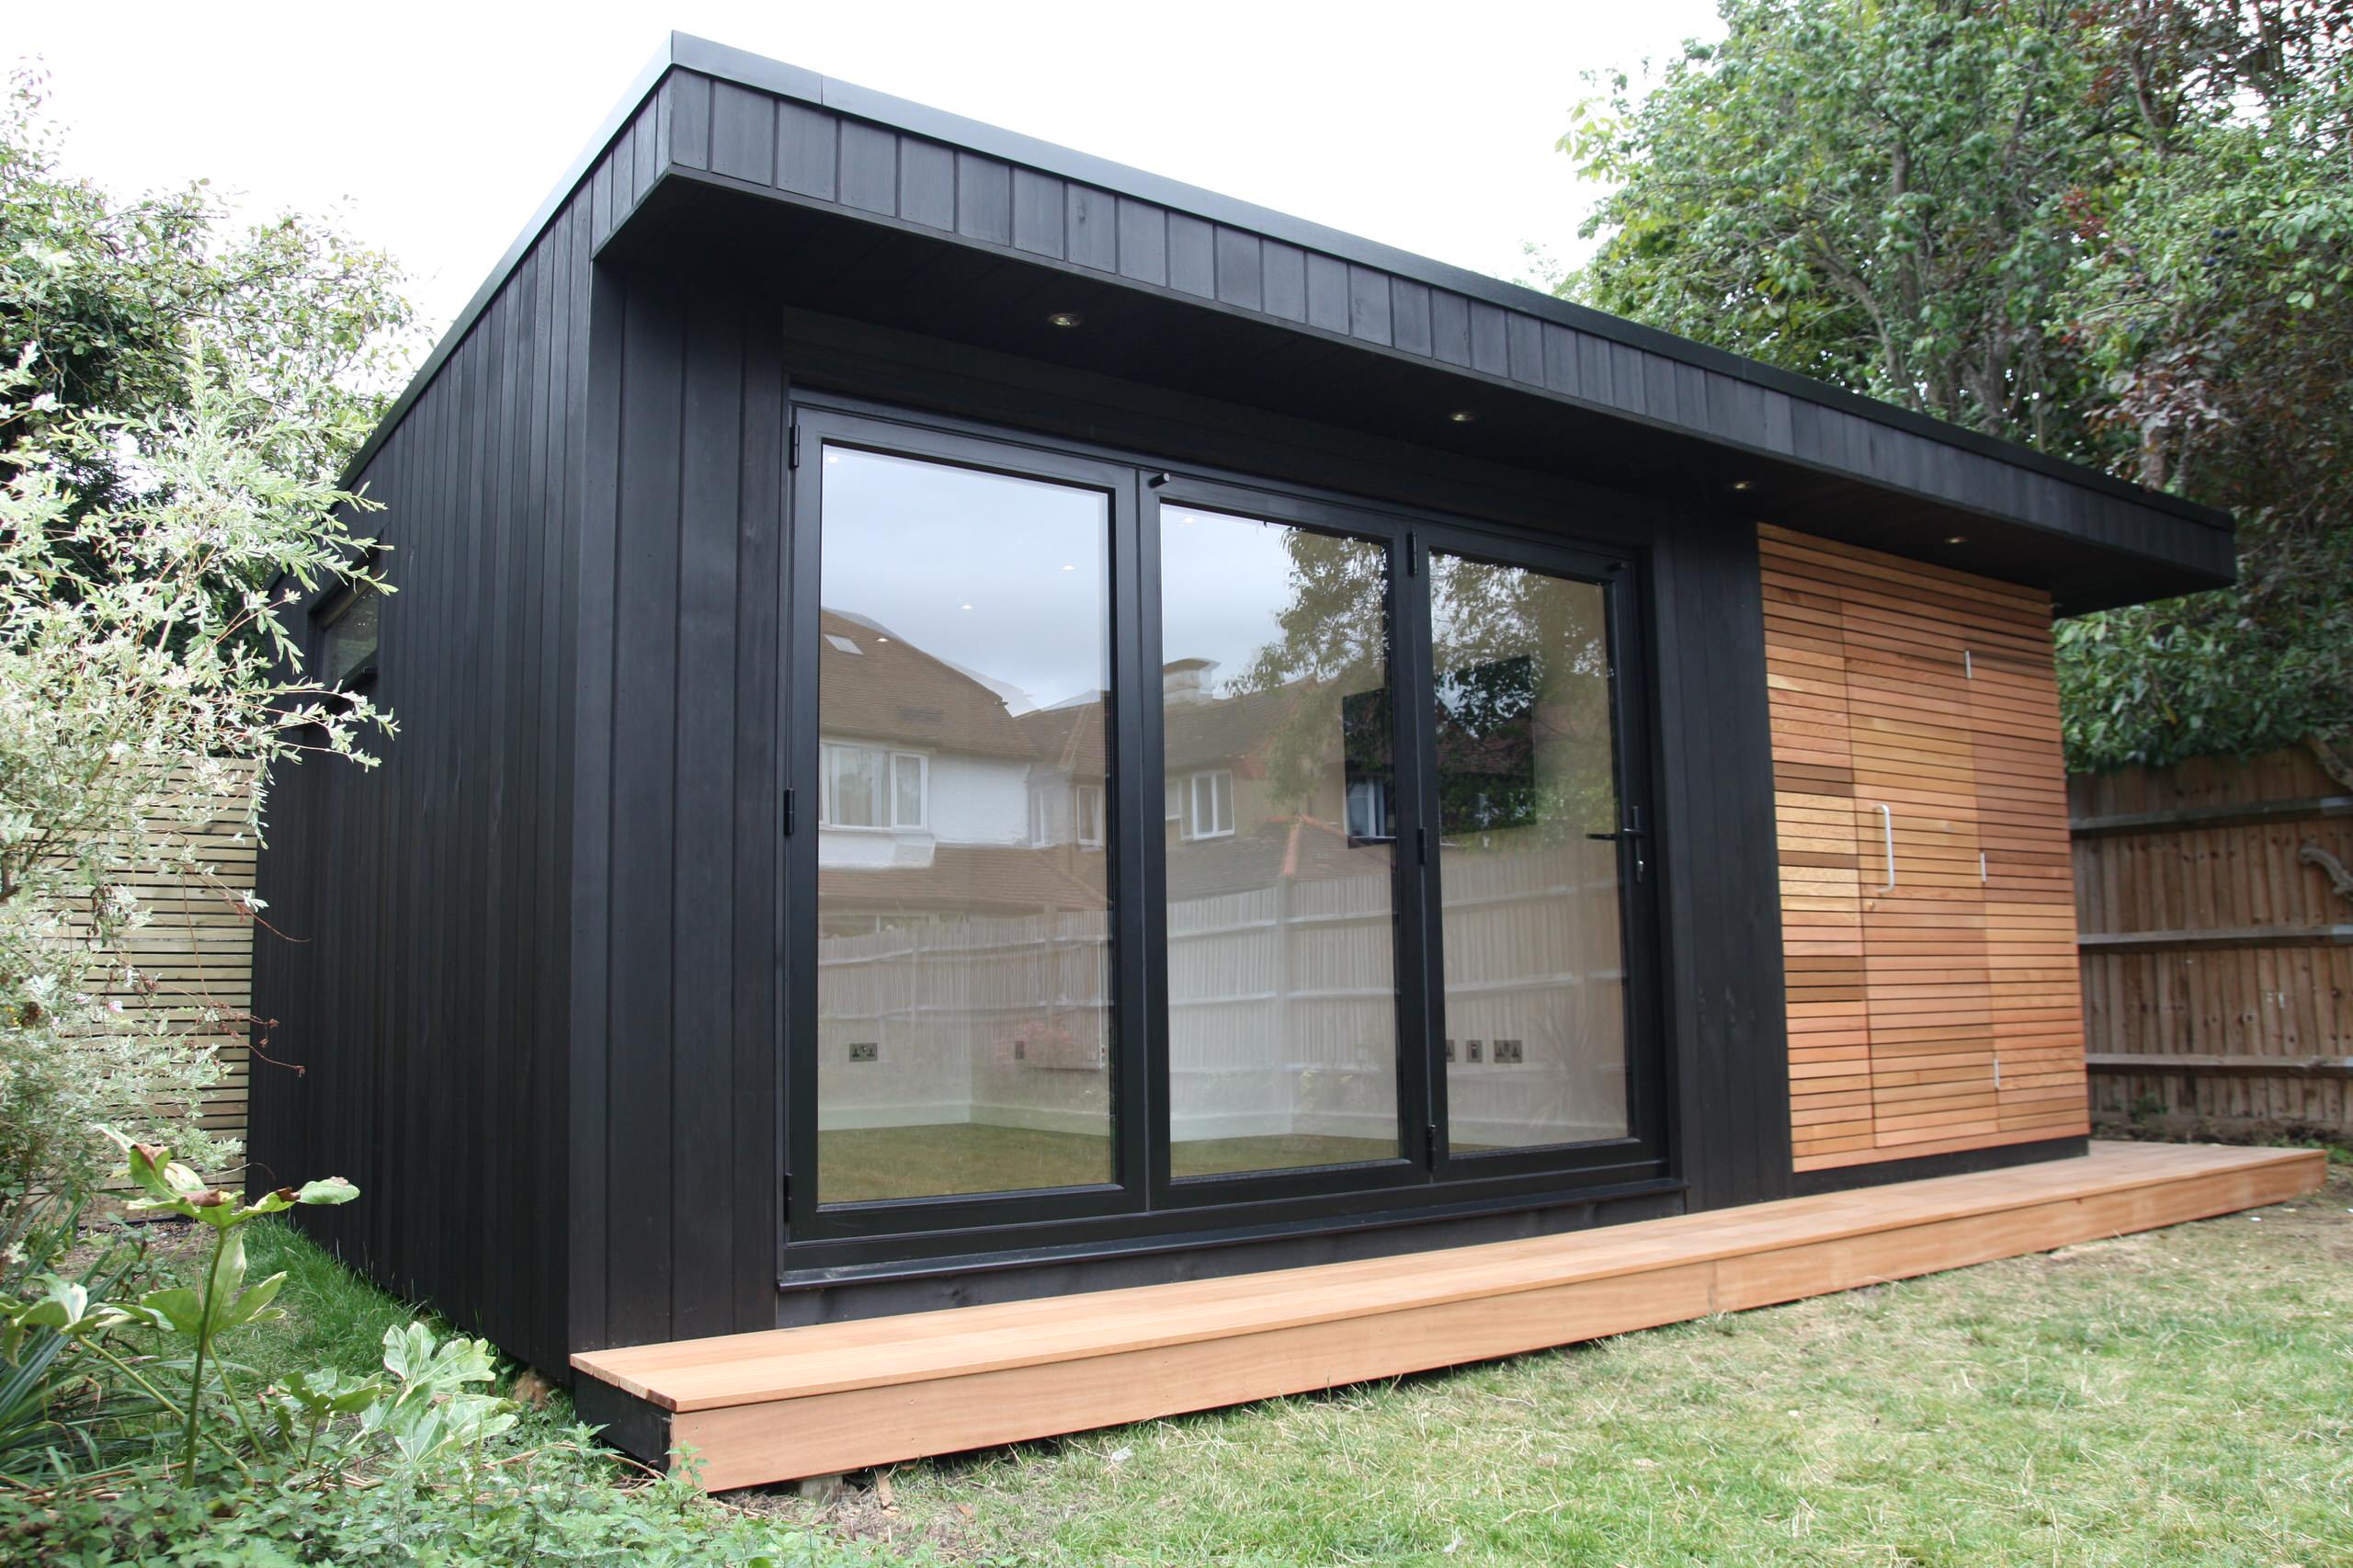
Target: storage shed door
pixel 1930 944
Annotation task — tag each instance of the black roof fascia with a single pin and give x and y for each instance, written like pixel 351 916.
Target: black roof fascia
pixel 745 69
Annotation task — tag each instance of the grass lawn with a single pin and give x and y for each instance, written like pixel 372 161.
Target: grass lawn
pixel 2179 1397
pixel 2182 1396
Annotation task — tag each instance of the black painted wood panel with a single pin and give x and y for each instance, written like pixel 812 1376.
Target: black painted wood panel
pixel 684 965
pixel 1402 306
pixel 420 981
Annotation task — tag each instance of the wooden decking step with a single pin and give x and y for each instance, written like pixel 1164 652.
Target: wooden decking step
pixel 790 1403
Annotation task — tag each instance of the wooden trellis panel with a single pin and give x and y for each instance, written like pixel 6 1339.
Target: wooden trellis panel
pixel 190 967
pixel 1921 799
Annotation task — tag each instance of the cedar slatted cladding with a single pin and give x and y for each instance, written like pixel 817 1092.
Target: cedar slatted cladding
pixel 1928 914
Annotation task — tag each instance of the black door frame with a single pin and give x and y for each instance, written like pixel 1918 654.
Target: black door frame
pixel 806 1216
pixel 1143 1201
pixel 1641 930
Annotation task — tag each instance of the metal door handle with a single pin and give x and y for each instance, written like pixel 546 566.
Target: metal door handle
pixel 1887 830
pixel 1632 835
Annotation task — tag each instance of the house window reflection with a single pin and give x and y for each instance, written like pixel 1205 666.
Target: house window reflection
pixel 1280 928
pixel 869 787
pixel 964 997
pixel 1212 797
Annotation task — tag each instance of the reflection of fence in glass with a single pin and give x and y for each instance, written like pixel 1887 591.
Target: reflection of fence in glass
pixel 1002 1021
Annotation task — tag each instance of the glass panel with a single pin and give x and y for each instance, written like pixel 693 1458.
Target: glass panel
pixel 853 787
pixel 1535 982
pixel 963 955
pixel 351 637
pixel 1282 1038
pixel 908 772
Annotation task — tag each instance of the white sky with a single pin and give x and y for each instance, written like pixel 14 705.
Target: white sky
pixel 436 129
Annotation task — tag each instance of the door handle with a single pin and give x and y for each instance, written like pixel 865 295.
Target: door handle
pixel 1633 834
pixel 1887 831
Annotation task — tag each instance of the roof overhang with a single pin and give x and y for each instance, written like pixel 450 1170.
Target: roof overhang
pixel 832 199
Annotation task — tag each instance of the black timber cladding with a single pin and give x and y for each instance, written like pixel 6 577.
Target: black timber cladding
pixel 525 996
pixel 416 961
pixel 536 996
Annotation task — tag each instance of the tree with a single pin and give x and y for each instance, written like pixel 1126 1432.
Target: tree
pixel 2215 300
pixel 175 402
pixel 1867 193
pixel 2114 229
pixel 105 296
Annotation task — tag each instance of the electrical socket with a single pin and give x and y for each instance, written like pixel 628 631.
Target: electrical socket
pixel 865 1050
pixel 1507 1052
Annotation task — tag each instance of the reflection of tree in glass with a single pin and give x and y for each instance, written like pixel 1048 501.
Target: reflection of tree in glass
pixel 1332 656
pixel 1522 667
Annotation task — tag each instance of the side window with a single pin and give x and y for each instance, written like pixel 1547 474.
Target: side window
pixel 866 786
pixel 348 653
pixel 1213 815
pixel 909 791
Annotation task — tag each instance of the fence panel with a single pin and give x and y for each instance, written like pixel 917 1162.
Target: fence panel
pixel 2217 928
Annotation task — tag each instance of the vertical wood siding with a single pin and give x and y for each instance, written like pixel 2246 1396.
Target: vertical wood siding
pixel 1726 1016
pixel 1920 797
pixel 417 979
pixel 675 941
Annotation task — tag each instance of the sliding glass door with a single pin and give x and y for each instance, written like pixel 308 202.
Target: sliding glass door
pixel 964 991
pixel 1166 845
pixel 1535 843
pixel 1279 918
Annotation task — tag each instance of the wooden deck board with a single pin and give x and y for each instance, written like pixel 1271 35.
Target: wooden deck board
pixel 786 1402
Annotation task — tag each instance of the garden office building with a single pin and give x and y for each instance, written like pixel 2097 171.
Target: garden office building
pixel 1029 796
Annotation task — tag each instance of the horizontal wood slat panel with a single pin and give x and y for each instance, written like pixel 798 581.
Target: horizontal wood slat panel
pixel 768 1406
pixel 1921 800
pixel 189 968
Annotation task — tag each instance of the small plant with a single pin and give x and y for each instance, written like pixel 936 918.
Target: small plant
pixel 426 1411
pixel 46 1408
pixel 224 1302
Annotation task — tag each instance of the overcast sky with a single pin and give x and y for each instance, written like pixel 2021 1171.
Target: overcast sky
pixel 436 129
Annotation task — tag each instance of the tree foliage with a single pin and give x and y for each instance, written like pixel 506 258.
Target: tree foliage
pixel 100 300
pixel 2216 302
pixel 2114 228
pixel 174 402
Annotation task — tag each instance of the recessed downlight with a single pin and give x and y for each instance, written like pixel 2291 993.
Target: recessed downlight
pixel 1743 484
pixel 1461 416
pixel 1956 539
pixel 1065 318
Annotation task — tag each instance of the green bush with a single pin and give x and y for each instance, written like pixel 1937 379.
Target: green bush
pixel 557 1500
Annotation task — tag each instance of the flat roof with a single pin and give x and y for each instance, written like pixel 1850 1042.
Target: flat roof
pixel 1570 386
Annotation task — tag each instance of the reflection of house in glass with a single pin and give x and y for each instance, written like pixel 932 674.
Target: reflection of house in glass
pixel 963 926
pixel 964 895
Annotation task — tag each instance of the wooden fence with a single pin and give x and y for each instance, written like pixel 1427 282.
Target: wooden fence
pixel 2216 913
pixel 191 966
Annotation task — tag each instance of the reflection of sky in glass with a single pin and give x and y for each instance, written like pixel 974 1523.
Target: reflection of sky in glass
pixel 1003 578
pixel 1223 581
